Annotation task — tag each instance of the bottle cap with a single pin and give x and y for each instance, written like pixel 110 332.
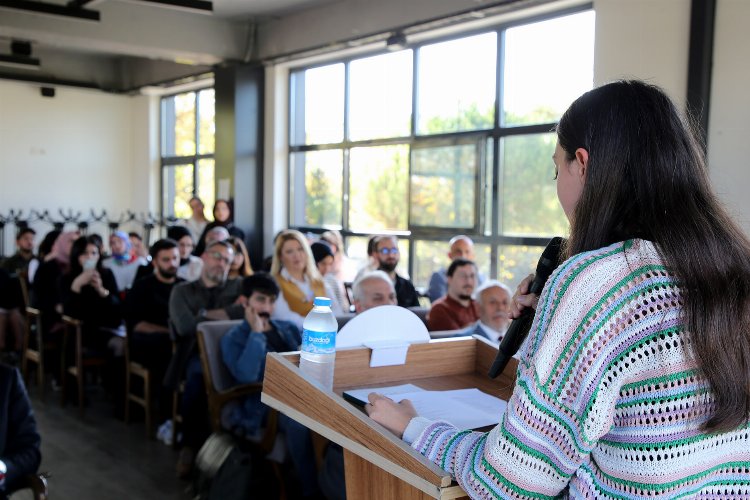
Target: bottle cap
pixel 322 301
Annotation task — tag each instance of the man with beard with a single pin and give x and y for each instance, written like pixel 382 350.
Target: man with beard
pixel 212 297
pixel 147 316
pixel 387 253
pixel 456 309
pixel 244 349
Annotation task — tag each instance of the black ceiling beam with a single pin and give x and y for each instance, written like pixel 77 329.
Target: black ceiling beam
pixel 203 6
pixel 51 9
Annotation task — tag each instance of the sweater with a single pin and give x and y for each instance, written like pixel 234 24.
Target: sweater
pixel 608 402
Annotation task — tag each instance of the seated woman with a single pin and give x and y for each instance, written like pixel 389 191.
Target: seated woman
pixel 90 294
pixel 240 266
pixel 123 262
pixel 19 439
pixel 294 269
pixel 45 292
pixel 223 218
pixel 190 265
pixel 324 260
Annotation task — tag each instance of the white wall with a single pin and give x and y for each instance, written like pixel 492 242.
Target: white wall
pixel 729 128
pixel 73 151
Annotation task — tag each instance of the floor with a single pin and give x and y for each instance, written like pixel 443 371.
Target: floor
pixel 100 456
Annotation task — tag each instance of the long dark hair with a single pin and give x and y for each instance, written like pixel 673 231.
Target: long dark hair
pixel 79 247
pixel 647 178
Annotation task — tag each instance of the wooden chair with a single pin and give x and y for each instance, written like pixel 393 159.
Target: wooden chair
pixel 74 328
pixel 133 369
pixel 33 328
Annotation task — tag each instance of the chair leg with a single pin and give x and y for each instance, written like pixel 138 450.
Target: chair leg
pixel 147 401
pixel 127 393
pixel 80 376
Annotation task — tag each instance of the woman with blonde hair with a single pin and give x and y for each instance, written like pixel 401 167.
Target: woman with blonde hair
pixel 240 266
pixel 295 271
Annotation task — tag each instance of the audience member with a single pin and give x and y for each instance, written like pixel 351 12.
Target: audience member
pixel 147 316
pixel 222 218
pixel 461 247
pixel 456 309
pixel 240 266
pixel 244 350
pixel 324 261
pixel 373 289
pixel 209 298
pixel 494 299
pixel 45 247
pixel 190 265
pixel 137 247
pixel 11 317
pixel 197 221
pixel 387 253
pixel 373 262
pixel 46 294
pixel 343 267
pixel 122 262
pixel 19 262
pixel 89 293
pixel 20 453
pixel 295 271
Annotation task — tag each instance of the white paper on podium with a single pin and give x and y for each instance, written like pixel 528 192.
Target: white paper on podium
pixel 464 408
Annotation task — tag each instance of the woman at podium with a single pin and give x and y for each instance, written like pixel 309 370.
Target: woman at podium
pixel 635 379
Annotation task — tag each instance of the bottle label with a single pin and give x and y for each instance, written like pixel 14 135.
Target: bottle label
pixel 318 342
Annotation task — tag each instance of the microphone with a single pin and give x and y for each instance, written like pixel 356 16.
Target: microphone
pixel 519 327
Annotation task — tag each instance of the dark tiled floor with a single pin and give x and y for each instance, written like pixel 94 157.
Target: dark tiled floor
pixel 100 457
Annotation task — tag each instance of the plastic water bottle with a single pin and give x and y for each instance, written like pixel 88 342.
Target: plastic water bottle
pixel 319 343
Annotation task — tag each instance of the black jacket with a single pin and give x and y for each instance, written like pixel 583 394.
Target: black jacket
pixel 19 439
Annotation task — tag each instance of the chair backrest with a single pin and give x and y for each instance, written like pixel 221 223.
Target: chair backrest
pixel 210 334
pixel 343 319
pixel 421 312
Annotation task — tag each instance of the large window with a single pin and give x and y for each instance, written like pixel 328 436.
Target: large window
pixel 187 151
pixel 446 137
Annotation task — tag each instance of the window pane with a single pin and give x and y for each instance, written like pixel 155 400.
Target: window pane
pixel 378 182
pixel 529 196
pixel 184 127
pixel 206 190
pixel 177 189
pixel 430 256
pixel 542 91
pixel 380 96
pixel 317 105
pixel 207 115
pixel 356 250
pixel 456 89
pixel 443 186
pixel 515 262
pixel 317 193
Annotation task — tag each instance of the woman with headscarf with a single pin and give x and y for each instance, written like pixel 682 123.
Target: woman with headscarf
pixel 295 271
pixel 222 217
pixel 123 263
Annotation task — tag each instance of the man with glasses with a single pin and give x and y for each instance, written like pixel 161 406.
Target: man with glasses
pixel 212 297
pixel 388 256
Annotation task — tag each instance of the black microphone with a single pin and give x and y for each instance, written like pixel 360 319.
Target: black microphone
pixel 519 327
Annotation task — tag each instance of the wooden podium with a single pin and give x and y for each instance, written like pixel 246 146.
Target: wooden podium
pixel 379 465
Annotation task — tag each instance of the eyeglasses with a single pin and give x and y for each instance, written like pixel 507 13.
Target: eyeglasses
pixel 386 251
pixel 221 257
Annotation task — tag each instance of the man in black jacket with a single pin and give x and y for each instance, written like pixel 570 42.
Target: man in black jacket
pixel 19 439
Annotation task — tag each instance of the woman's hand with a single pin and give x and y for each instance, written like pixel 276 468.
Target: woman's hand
pixel 96 282
pixel 82 280
pixel 522 298
pixel 391 415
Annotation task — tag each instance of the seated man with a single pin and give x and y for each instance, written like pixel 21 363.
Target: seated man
pixel 461 247
pixel 19 439
pixel 373 289
pixel 457 309
pixel 494 299
pixel 244 349
pixel 387 253
pixel 147 316
pixel 24 252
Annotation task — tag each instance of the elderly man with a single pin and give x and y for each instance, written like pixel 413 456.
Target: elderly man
pixel 456 309
pixel 461 247
pixel 387 253
pixel 494 299
pixel 373 289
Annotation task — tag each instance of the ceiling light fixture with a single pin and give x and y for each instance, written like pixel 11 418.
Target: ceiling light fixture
pixel 19 57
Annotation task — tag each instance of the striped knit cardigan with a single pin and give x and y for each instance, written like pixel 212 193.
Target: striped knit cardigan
pixel 608 403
